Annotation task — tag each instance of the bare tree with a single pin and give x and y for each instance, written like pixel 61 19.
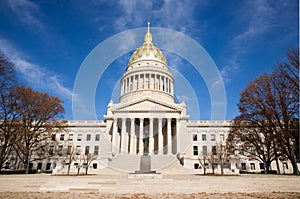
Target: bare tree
pixel 8 107
pixel 39 119
pixel 88 160
pixel 212 158
pixel 269 106
pixel 203 162
pixel 222 154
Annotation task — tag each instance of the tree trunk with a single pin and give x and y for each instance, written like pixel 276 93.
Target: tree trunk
pixel 69 167
pixel 295 166
pixel 27 163
pixel 222 169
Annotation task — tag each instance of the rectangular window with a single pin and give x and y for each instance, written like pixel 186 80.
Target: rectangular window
pixel 252 166
pixel 243 166
pixel 195 150
pixel 261 166
pixel 69 150
pixel 51 150
pixel 48 166
pixel 214 150
pixel 213 137
pixel 97 137
pixel 62 137
pixel 94 165
pixel 88 137
pixel 204 150
pixel 203 137
pixel 79 137
pixel 221 137
pixel 96 150
pixel 53 137
pixel 60 148
pixel 71 137
pixel 194 137
pixel 78 149
pixel 196 166
pixel 87 150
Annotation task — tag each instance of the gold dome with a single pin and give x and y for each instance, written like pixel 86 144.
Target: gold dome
pixel 148 51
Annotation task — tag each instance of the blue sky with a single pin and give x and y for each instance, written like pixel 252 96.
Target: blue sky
pixel 49 40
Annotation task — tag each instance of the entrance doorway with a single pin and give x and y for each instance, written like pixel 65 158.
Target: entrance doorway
pixel 146 143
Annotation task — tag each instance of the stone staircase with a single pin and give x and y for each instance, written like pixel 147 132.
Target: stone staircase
pixel 126 163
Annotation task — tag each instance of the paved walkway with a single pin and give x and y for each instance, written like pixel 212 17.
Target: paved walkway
pixel 150 184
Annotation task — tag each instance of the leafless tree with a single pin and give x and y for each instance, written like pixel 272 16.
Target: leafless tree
pixel 269 113
pixel 39 119
pixel 88 160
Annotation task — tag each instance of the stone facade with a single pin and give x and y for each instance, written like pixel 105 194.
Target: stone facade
pixel 145 122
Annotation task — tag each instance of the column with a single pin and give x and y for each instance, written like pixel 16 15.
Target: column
pixel 160 138
pixel 151 138
pixel 141 136
pixel 114 145
pixel 132 137
pixel 123 136
pixel 169 143
pixel 177 136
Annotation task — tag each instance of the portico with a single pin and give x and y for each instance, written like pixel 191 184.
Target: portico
pixel 145 136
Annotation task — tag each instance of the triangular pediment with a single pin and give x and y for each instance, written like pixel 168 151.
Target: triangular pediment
pixel 146 104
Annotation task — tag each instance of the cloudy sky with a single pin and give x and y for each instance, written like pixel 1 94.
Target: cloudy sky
pixel 48 40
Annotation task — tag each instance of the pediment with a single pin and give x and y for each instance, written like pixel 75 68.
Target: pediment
pixel 146 105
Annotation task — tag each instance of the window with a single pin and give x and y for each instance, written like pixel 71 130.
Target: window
pixel 194 137
pixel 96 150
pixel 60 148
pixel 62 137
pixel 70 137
pixel 48 166
pixel 214 150
pixel 196 166
pixel 51 150
pixel 203 137
pixel 79 137
pixel 204 150
pixel 69 150
pixel 94 165
pixel 87 150
pixel 261 166
pixel 78 149
pixel 88 137
pixel 285 165
pixel 221 137
pixel 39 166
pixel 195 150
pixel 97 137
pixel 243 166
pixel 213 137
pixel 53 137
pixel 252 166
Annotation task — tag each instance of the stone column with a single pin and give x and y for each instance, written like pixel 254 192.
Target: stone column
pixel 151 138
pixel 177 136
pixel 160 138
pixel 123 136
pixel 132 137
pixel 169 142
pixel 114 145
pixel 141 136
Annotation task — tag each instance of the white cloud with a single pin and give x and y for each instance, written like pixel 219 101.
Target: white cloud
pixel 37 76
pixel 258 17
pixel 27 12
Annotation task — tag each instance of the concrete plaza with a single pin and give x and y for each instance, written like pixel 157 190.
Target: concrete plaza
pixel 150 184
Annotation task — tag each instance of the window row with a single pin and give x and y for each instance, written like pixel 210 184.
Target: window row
pixel 212 137
pixel 147 81
pixel 79 137
pixel 77 150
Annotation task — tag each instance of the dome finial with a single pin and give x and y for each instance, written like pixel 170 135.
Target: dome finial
pixel 148 26
pixel 148 36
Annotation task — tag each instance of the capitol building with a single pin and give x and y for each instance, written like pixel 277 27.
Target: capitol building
pixel 146 127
